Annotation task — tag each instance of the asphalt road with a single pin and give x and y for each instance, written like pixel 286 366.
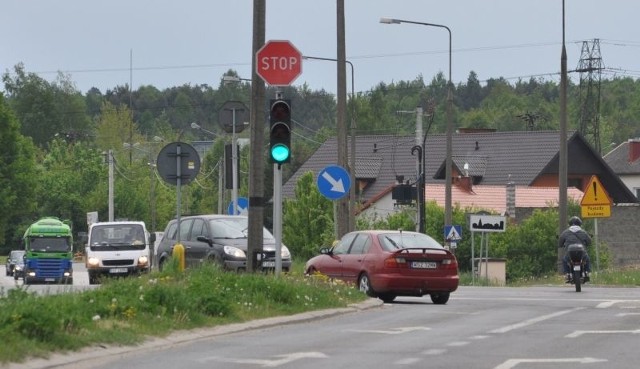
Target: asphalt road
pixel 481 327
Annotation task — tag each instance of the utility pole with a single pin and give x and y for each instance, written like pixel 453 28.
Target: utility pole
pixel 256 163
pixel 110 162
pixel 342 211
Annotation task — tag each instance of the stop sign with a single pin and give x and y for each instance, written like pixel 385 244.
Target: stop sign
pixel 278 63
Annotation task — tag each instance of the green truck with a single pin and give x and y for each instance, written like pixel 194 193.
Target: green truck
pixel 48 245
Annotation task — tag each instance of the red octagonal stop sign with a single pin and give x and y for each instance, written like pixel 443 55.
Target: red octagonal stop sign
pixel 278 63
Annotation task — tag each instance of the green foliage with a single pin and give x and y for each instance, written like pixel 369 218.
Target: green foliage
pixel 126 311
pixel 307 219
pixel 18 178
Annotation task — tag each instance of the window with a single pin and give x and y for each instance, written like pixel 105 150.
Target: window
pixel 198 229
pixel 185 226
pixel 343 246
pixel 360 245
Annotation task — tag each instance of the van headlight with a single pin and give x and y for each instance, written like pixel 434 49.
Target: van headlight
pixel 143 260
pixel 284 252
pixel 93 262
pixel 235 252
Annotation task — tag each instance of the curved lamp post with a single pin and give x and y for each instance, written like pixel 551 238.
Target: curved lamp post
pixel 448 164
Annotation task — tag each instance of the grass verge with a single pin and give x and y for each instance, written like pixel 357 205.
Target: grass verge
pixel 126 311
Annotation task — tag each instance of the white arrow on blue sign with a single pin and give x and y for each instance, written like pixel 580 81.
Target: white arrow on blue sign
pixel 243 206
pixel 334 182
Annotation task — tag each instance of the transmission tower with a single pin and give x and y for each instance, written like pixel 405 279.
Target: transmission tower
pixel 590 68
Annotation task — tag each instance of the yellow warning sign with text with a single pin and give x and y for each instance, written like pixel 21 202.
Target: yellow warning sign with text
pixel 595 194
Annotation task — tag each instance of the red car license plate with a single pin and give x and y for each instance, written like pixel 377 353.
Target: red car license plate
pixel 423 264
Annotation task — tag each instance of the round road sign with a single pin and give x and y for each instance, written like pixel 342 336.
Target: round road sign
pixel 169 160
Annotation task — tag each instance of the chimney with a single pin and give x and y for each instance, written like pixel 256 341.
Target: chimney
pixel 634 149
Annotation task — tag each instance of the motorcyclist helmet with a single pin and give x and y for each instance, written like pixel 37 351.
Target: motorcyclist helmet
pixel 575 221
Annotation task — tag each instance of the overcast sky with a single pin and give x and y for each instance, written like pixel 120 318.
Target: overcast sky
pixel 196 41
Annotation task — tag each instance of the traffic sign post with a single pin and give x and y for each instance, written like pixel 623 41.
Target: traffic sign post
pixel 278 63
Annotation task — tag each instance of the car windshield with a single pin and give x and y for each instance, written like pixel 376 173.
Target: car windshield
pixel 49 244
pixel 117 236
pixel 396 241
pixel 232 228
pixel 16 255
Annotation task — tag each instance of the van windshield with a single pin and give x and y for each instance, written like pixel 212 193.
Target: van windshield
pixel 117 237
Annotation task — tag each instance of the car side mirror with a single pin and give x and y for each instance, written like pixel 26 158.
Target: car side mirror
pixel 325 251
pixel 205 239
pixel 152 238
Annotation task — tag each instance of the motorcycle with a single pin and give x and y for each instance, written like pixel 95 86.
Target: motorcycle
pixel 577 259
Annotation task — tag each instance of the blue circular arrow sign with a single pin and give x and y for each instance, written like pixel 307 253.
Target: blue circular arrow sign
pixel 334 182
pixel 243 206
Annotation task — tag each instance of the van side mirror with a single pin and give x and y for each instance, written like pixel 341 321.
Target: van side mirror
pixel 152 238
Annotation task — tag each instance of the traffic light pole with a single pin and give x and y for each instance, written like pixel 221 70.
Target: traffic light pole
pixel 277 215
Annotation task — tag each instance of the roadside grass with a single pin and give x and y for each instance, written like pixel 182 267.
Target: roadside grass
pixel 126 311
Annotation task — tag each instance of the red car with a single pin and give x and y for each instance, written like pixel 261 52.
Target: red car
pixel 387 264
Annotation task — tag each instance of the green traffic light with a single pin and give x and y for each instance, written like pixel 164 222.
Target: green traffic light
pixel 280 153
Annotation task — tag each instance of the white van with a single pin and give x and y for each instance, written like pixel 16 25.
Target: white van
pixel 118 249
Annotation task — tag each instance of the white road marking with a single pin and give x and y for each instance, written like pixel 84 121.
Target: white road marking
pixel 457 343
pixel 580 333
pixel 434 352
pixel 625 314
pixel 391 331
pixel 528 322
pixel 479 337
pixel 408 361
pixel 266 363
pixel 513 362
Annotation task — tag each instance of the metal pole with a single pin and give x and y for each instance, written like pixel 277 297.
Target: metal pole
pixel 178 189
pixel 277 215
pixel 110 161
pixel 220 184
pixel 234 165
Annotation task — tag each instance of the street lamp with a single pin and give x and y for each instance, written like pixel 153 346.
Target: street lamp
pixel 226 79
pixel 352 164
pixel 448 164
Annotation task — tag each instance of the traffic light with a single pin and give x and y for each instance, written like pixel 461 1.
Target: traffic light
pixel 280 136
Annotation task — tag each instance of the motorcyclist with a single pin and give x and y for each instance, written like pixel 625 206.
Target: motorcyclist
pixel 572 235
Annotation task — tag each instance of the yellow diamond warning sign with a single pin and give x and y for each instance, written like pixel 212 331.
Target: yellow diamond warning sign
pixel 595 194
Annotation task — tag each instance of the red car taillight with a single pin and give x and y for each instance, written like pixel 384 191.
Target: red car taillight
pixel 449 264
pixel 394 262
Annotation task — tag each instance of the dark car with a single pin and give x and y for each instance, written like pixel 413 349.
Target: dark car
pixel 221 239
pixel 14 257
pixel 387 264
pixel 18 270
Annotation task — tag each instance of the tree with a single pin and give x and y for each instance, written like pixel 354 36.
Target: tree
pixel 18 178
pixel 307 220
pixel 45 110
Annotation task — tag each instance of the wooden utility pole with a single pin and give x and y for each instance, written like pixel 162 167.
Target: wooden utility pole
pixel 256 163
pixel 342 212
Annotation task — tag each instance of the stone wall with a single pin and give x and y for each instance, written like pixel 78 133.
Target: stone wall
pixel 620 233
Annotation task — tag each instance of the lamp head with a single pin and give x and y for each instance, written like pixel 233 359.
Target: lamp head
pixel 389 21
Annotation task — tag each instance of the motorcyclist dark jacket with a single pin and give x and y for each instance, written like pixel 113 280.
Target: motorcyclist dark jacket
pixel 572 235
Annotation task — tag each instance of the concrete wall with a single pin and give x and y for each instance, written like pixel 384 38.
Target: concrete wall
pixel 621 233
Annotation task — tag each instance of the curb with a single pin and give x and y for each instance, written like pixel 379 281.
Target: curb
pixel 90 357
